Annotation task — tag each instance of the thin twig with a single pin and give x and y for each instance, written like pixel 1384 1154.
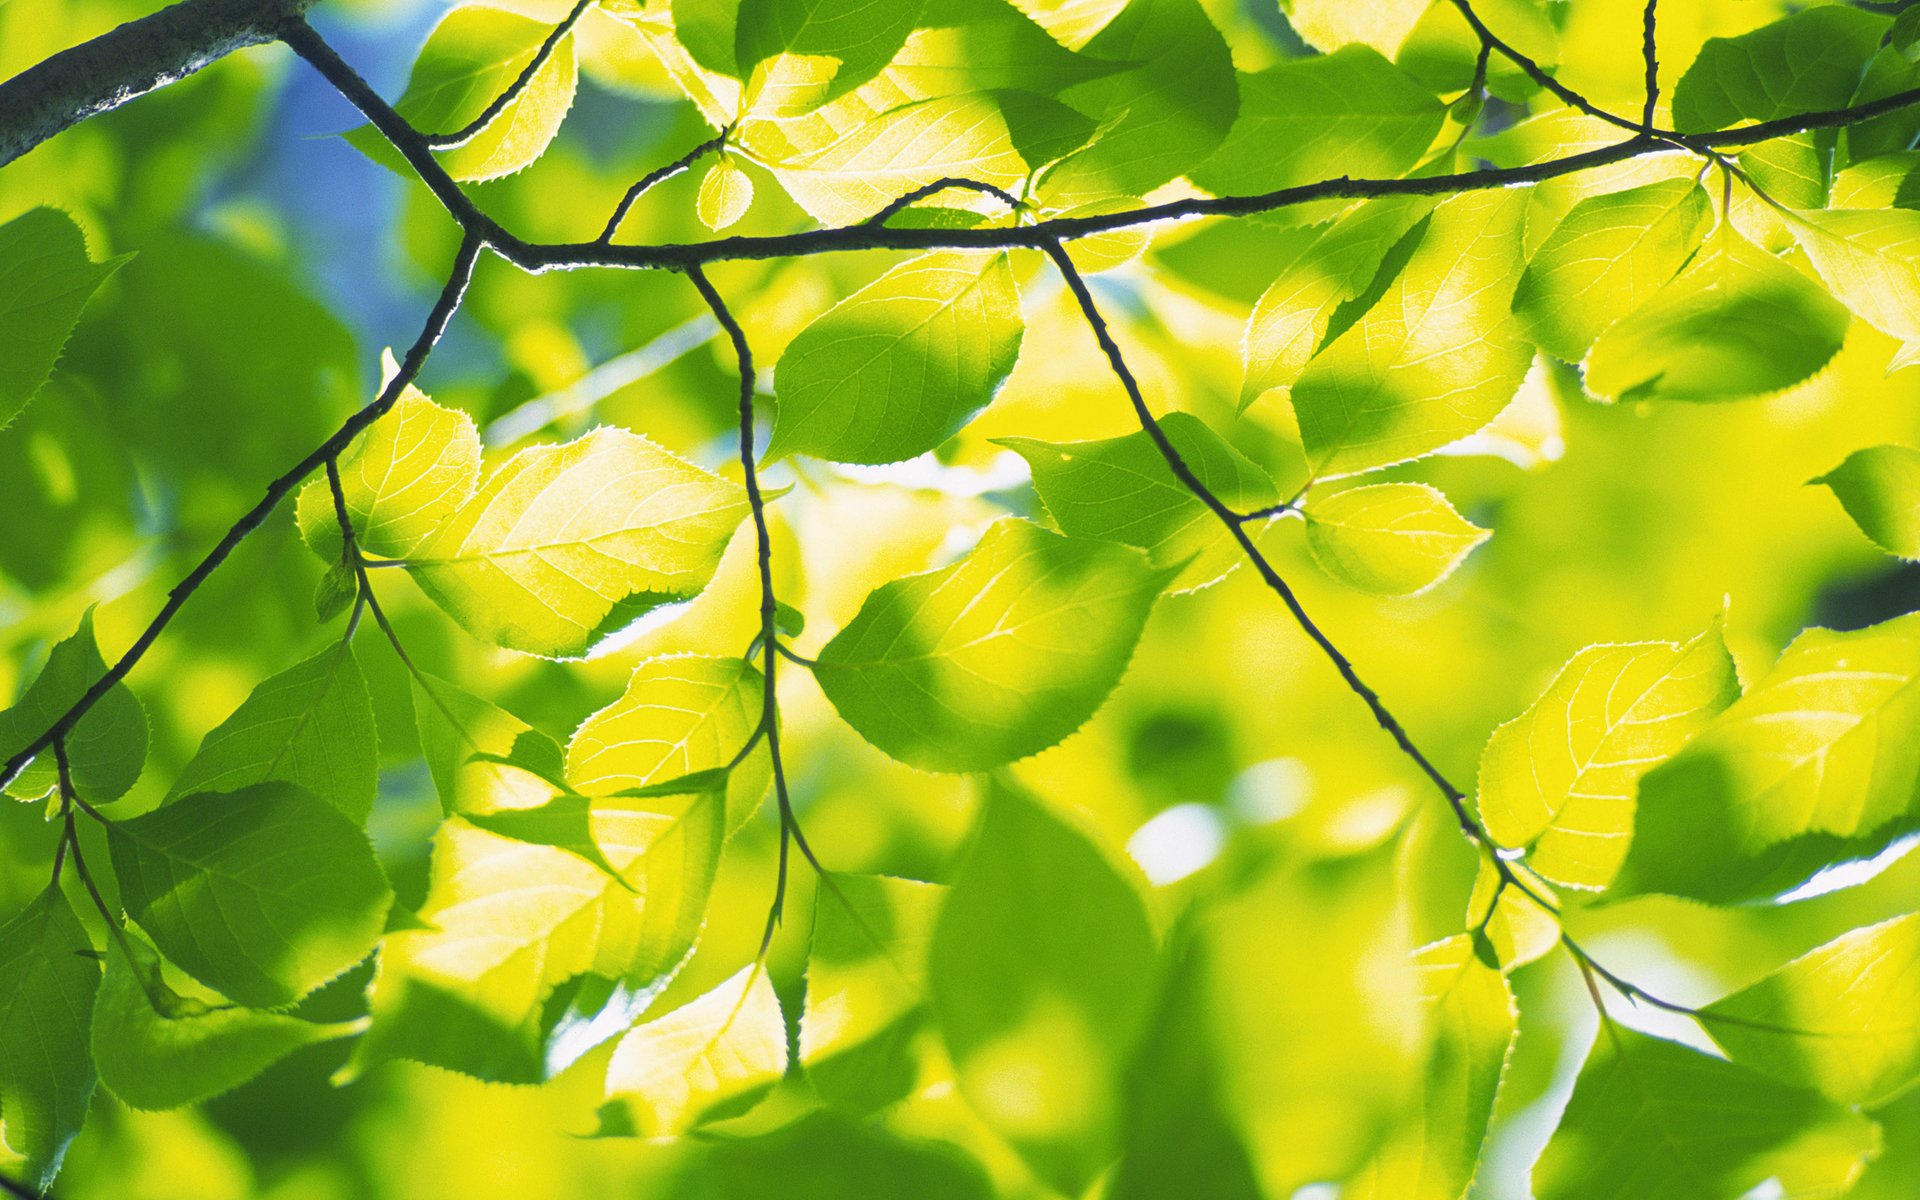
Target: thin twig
pixel 659 175
pixel 1538 73
pixel 467 132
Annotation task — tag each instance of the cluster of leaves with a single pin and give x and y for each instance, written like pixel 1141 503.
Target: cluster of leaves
pixel 1289 1021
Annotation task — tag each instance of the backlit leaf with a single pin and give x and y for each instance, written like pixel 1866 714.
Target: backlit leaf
pixel 726 192
pixel 866 986
pixel 46 1074
pixel 1867 258
pixel 1560 779
pixel 565 544
pixel 714 1056
pixel 857 36
pixel 996 657
pixel 1801 63
pixel 902 364
pixel 46 279
pixel 262 894
pixel 471 745
pixel 106 748
pixel 1880 489
pixel 1394 539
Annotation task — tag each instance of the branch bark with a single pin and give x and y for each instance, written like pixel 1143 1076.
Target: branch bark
pixel 130 60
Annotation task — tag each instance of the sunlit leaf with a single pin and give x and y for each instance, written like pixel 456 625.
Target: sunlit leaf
pixel 857 36
pixel 1560 779
pixel 1838 1019
pixel 106 748
pixel 1655 1120
pixel 902 364
pixel 1880 489
pixel 1041 981
pixel 996 657
pixel 1867 258
pixel 262 894
pixel 471 745
pixel 1436 358
pixel 1122 490
pixel 713 1056
pixel 1801 63
pixel 311 725
pixel 726 192
pixel 46 1074
pixel 1394 539
pixel 1814 765
pixel 1737 322
pixel 46 279
pixel 1605 259
pixel 565 544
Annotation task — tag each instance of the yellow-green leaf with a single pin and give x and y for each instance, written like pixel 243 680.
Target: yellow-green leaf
pixel 1393 539
pixel 726 192
pixel 565 544
pixel 1868 258
pixel 712 1057
pixel 1560 779
pixel 1880 489
pixel 866 986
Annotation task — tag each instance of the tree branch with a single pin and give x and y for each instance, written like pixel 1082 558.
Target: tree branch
pixel 442 312
pixel 130 60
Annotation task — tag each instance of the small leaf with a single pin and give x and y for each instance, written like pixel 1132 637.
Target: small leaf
pixel 1839 1019
pixel 713 1057
pixel 481 756
pixel 473 55
pixel 788 619
pixel 1737 322
pixel 153 1060
pixel 335 591
pixel 311 725
pixel 517 933
pixel 1606 258
pixel 902 364
pixel 1802 63
pixel 1042 981
pixel 565 544
pixel 107 746
pixel 46 1074
pixel 1815 765
pixel 866 986
pixel 1560 779
pixel 1122 490
pixel 46 279
pixel 262 894
pixel 1880 489
pixel 726 192
pixel 1433 1153
pixel 1654 1120
pixel 996 657
pixel 681 715
pixel 1393 539
pixel 402 478
pixel 1437 358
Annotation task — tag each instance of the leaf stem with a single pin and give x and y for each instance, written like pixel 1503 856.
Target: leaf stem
pixel 467 132
pixel 659 175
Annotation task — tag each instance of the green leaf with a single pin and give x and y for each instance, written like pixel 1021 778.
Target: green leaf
pixel 1159 115
pixel 1121 490
pixel 1840 1019
pixel 46 1075
pixel 1814 765
pixel 335 591
pixel 1349 113
pixel 154 1060
pixel 1880 489
pixel 1737 322
pixel 262 894
pixel 726 192
pixel 1654 1120
pixel 1333 264
pixel 1867 258
pixel 866 986
pixel 1392 539
pixel 471 748
pixel 311 725
pixel 106 748
pixel 680 715
pixel 1042 981
pixel 403 477
pixel 856 36
pixel 565 822
pixel 565 544
pixel 1443 52
pixel 473 55
pixel 1560 778
pixel 1327 25
pixel 996 657
pixel 1905 35
pixel 518 932
pixel 902 364
pixel 1433 1155
pixel 713 1057
pixel 1606 258
pixel 827 1156
pixel 46 279
pixel 1438 357
pixel 1802 63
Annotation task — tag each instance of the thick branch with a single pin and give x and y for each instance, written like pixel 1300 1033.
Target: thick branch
pixel 128 61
